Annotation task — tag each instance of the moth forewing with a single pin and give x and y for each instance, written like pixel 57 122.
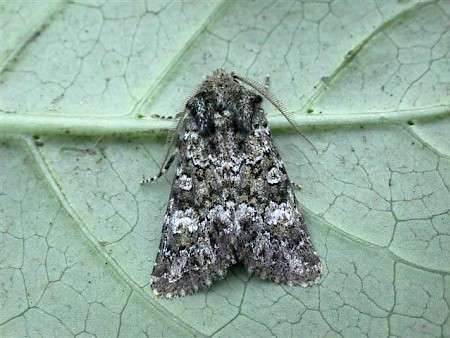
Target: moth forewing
pixel 231 198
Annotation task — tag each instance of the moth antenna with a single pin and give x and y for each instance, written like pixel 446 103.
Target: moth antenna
pixel 175 129
pixel 272 99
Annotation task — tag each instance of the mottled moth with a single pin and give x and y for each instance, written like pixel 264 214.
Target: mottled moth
pixel 231 199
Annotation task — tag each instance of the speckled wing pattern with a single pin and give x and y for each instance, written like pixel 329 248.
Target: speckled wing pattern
pixel 274 242
pixel 231 198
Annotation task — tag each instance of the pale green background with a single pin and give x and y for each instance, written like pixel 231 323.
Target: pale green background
pixel 80 235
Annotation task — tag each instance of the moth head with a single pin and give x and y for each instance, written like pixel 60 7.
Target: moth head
pixel 222 88
pixel 223 103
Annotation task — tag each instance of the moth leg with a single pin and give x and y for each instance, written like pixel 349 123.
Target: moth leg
pixel 296 186
pixel 163 169
pixel 166 117
pixel 267 82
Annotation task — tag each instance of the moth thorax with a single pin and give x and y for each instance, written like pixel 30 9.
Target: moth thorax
pixel 222 119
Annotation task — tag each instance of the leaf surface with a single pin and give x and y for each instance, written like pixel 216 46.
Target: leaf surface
pixel 369 84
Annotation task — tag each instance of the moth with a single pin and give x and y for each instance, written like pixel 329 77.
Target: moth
pixel 231 199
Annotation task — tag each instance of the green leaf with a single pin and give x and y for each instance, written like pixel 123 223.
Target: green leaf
pixel 369 84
